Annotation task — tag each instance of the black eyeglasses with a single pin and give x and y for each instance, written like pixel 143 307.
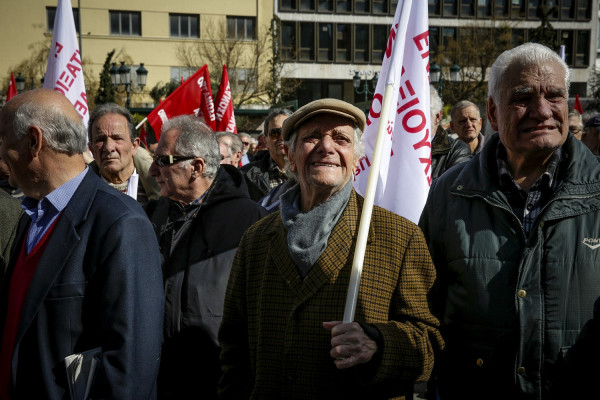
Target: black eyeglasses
pixel 246 144
pixel 275 133
pixel 161 161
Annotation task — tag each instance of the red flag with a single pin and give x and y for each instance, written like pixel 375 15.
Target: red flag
pixel 224 114
pixel 194 97
pixel 12 88
pixel 143 135
pixel 577 105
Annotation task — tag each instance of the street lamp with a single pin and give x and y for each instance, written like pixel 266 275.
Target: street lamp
pixel 356 82
pixel 121 79
pixel 20 81
pixel 437 77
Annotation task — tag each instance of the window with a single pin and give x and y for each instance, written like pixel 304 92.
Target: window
pixel 288 41
pixel 325 40
pixel 380 7
pixel 241 28
pixel 307 5
pixel 242 79
pixel 518 37
pixel 532 9
pixel 343 43
pixel 449 34
pixel 501 8
pixel 484 8
pixel 125 23
pixel 51 14
pixel 361 6
pixel 434 7
pixel 517 8
pixel 380 36
pixel 177 73
pixel 567 9
pixel 307 41
pixel 393 5
pixel 184 25
pixel 582 48
pixel 584 8
pixel 344 6
pixel 361 43
pixel 325 5
pixel 467 8
pixel 434 40
pixel 450 8
pixel 287 4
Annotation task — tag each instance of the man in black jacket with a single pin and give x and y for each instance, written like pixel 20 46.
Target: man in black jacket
pixel 199 222
pixel 445 151
pixel 268 171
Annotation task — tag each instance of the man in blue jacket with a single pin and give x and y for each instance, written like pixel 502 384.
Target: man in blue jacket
pixel 84 273
pixel 515 237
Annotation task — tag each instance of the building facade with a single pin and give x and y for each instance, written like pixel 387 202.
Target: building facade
pixel 152 32
pixel 321 43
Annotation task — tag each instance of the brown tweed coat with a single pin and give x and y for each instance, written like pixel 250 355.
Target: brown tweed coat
pixel 273 343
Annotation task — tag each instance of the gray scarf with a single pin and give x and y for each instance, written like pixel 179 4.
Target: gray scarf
pixel 307 233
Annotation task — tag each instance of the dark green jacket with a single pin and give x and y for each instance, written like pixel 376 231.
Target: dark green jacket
pixel 510 306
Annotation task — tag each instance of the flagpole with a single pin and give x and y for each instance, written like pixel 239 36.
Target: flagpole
pixel 367 210
pixel 141 123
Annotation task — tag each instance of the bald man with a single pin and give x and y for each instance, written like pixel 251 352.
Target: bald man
pixel 78 279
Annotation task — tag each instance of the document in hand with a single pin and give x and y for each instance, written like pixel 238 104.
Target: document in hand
pixel 81 368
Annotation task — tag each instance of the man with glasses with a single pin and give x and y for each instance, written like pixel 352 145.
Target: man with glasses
pixel 575 124
pixel 267 172
pixel 246 139
pixel 199 222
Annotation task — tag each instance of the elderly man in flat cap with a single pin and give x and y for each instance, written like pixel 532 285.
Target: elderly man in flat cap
pixel 281 334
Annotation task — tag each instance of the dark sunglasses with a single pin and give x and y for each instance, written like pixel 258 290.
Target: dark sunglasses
pixel 161 161
pixel 246 143
pixel 275 133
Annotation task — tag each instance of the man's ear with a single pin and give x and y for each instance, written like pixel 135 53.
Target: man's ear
pixel 35 136
pixel 198 167
pixel 290 159
pixel 135 144
pixel 491 113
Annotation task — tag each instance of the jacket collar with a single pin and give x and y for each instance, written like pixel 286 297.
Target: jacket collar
pixel 578 175
pixel 338 254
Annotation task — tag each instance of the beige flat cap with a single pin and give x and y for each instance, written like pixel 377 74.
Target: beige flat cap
pixel 323 106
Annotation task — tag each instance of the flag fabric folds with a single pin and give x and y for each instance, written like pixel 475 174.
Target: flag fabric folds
pixel 194 97
pixel 224 102
pixel 577 105
pixel 405 174
pixel 12 88
pixel 64 72
pixel 143 136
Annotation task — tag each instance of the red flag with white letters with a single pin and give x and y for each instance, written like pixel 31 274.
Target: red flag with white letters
pixel 12 88
pixel 194 97
pixel 224 102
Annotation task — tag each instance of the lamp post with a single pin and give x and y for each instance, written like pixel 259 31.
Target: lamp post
pixel 437 77
pixel 20 81
pixel 121 79
pixel 357 78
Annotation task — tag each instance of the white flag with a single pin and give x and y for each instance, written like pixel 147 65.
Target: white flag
pixel 405 174
pixel 64 72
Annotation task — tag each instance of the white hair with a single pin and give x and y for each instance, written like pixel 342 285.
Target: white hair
pixel 525 55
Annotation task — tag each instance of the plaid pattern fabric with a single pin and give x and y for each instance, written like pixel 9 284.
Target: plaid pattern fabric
pixel 276 176
pixel 527 205
pixel 273 343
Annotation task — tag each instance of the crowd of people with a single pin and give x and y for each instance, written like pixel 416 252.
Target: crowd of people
pixel 216 265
